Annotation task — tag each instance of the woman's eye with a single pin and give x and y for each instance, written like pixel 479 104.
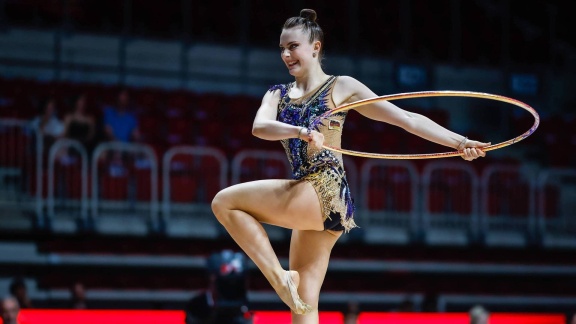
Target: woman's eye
pixel 290 47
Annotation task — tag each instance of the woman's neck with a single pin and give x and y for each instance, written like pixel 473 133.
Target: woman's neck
pixel 311 80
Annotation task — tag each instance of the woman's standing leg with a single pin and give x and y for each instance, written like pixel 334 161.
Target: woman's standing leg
pixel 309 255
pixel 291 204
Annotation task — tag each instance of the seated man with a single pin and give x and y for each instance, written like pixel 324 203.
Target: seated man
pixel 120 124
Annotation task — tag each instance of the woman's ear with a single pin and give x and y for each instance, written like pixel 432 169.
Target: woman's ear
pixel 317 46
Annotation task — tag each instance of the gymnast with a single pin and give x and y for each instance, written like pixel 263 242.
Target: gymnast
pixel 317 203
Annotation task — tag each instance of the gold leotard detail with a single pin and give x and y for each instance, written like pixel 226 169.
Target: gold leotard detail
pixel 322 168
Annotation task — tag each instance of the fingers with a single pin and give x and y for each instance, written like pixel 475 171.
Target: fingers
pixel 317 142
pixel 473 150
pixel 472 153
pixel 481 144
pixel 477 144
pixel 316 139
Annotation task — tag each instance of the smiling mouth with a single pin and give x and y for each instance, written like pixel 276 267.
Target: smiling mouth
pixel 291 64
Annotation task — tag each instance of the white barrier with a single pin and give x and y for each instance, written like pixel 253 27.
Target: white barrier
pixel 268 165
pixel 123 213
pixel 557 207
pixel 60 154
pixel 389 201
pixel 21 172
pixel 508 205
pixel 197 174
pixel 450 205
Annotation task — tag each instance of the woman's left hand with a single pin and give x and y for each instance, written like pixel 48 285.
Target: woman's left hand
pixel 473 150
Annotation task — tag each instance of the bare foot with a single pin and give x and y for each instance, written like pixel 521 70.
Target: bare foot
pixel 288 292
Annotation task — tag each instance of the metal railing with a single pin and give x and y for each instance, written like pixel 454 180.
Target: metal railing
pixel 191 177
pixel 508 205
pixel 557 207
pixel 447 203
pixel 249 165
pixel 389 200
pixel 450 205
pixel 199 166
pixel 69 155
pixel 21 172
pixel 123 198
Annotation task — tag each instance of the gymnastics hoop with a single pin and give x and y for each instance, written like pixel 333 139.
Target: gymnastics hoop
pixel 423 94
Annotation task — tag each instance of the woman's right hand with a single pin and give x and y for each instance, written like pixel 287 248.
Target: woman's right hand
pixel 316 139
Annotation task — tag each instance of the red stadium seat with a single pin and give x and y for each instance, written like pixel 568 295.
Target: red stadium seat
pixel 183 188
pixel 114 183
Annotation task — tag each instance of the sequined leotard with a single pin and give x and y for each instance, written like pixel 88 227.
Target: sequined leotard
pixel 323 168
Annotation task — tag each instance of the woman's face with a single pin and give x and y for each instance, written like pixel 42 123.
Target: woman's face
pixel 296 50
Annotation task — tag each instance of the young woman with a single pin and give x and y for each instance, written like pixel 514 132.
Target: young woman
pixel 316 204
pixel 79 125
pixel 47 121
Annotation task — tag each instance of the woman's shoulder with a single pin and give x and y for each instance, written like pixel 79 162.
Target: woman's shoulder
pixel 345 88
pixel 273 95
pixel 276 92
pixel 346 81
pixel 280 89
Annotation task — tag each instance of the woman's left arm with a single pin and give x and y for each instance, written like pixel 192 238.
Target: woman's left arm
pixel 414 123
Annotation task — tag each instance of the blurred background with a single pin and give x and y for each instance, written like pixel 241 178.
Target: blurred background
pixel 120 120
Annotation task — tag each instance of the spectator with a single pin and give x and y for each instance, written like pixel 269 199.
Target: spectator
pixel 120 124
pixel 479 315
pixel 18 290
pixel 78 296
pixel 10 310
pixel 80 126
pixel 48 122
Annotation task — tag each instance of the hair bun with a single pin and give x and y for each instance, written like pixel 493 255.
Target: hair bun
pixel 308 14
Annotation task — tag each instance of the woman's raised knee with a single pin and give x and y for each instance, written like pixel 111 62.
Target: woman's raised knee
pixel 220 204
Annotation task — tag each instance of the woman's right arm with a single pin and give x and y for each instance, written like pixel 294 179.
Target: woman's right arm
pixel 267 127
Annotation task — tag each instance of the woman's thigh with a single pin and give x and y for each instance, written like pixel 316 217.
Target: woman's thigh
pixel 285 203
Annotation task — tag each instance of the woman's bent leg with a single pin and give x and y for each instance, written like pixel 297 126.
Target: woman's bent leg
pixel 291 204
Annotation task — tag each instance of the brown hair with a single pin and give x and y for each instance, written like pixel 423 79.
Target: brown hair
pixel 307 21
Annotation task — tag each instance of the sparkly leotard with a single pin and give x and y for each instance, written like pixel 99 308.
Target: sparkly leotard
pixel 323 168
